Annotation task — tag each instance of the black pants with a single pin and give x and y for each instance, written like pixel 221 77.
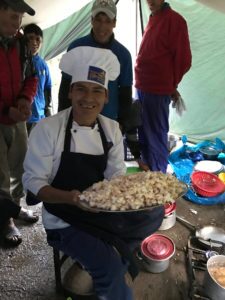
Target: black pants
pixel 8 209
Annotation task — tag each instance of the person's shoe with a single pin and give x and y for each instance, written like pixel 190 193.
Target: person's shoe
pixel 28 216
pixel 12 235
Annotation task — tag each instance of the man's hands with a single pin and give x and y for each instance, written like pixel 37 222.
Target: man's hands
pixel 53 195
pixel 75 196
pixel 22 112
pixel 174 97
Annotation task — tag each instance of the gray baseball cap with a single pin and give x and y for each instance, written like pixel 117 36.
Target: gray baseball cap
pixel 104 6
pixel 21 6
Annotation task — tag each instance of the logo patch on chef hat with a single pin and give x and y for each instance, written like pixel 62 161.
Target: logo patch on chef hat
pixel 96 74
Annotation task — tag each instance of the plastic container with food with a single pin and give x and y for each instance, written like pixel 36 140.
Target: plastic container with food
pixel 214 280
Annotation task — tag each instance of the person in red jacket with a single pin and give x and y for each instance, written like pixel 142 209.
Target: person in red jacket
pixel 163 59
pixel 18 85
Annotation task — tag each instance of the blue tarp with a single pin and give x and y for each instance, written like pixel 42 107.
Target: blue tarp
pixel 183 166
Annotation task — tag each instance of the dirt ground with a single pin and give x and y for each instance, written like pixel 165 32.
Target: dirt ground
pixel 27 271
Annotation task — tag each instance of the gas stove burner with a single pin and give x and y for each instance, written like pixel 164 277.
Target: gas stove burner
pixel 210 253
pixel 197 256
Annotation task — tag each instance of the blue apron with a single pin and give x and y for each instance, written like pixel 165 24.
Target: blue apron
pixel 79 171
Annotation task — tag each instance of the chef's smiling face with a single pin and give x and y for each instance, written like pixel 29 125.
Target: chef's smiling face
pixel 88 100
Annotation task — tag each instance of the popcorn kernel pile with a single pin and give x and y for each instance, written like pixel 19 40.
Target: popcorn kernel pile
pixel 134 191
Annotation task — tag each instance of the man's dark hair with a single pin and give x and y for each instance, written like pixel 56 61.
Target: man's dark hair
pixel 3 4
pixel 32 28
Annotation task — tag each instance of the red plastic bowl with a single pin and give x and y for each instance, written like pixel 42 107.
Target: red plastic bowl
pixel 207 184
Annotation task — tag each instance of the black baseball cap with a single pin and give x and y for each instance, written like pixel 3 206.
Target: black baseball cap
pixel 21 6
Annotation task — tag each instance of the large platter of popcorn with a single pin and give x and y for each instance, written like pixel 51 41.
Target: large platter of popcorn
pixel 127 193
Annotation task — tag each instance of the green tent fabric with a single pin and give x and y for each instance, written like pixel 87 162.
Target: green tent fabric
pixel 202 88
pixel 59 36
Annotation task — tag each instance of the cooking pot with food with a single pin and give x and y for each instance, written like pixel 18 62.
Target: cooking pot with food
pixel 214 280
pixel 156 251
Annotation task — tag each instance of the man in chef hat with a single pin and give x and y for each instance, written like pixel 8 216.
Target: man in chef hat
pixel 70 151
pixel 95 68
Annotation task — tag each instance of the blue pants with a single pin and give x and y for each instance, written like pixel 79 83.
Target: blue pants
pixel 154 130
pixel 100 259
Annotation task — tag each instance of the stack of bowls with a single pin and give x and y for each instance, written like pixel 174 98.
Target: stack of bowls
pixel 206 184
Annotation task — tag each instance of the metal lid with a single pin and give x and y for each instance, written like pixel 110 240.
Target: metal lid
pixel 158 247
pixel 170 207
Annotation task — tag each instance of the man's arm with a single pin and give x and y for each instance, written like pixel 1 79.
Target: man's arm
pixel 29 89
pixel 48 101
pixel 181 50
pixel 30 80
pixel 50 194
pixel 48 92
pixel 63 100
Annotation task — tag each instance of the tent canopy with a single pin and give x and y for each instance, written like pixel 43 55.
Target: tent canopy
pixel 201 88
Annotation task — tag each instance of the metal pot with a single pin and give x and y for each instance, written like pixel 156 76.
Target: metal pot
pixel 156 251
pixel 207 235
pixel 212 287
pixel 169 219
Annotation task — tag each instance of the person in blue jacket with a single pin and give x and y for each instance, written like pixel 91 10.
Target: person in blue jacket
pixel 103 21
pixel 41 106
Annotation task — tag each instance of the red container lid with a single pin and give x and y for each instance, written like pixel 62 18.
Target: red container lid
pixel 170 207
pixel 158 247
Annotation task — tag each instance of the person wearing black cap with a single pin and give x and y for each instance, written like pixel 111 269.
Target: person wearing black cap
pixel 18 87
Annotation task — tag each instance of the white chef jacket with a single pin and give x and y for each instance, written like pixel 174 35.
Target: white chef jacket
pixel 45 146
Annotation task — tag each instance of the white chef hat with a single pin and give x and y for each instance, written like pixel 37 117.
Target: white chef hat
pixel 90 64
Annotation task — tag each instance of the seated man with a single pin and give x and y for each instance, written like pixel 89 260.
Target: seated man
pixel 70 151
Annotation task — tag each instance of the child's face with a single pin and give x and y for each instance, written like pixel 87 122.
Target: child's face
pixel 34 42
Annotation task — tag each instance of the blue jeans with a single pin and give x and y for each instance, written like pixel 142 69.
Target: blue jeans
pixel 100 259
pixel 154 130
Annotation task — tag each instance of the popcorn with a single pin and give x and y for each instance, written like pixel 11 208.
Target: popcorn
pixel 134 191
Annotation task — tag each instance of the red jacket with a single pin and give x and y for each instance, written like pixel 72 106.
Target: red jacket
pixel 17 79
pixel 164 55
